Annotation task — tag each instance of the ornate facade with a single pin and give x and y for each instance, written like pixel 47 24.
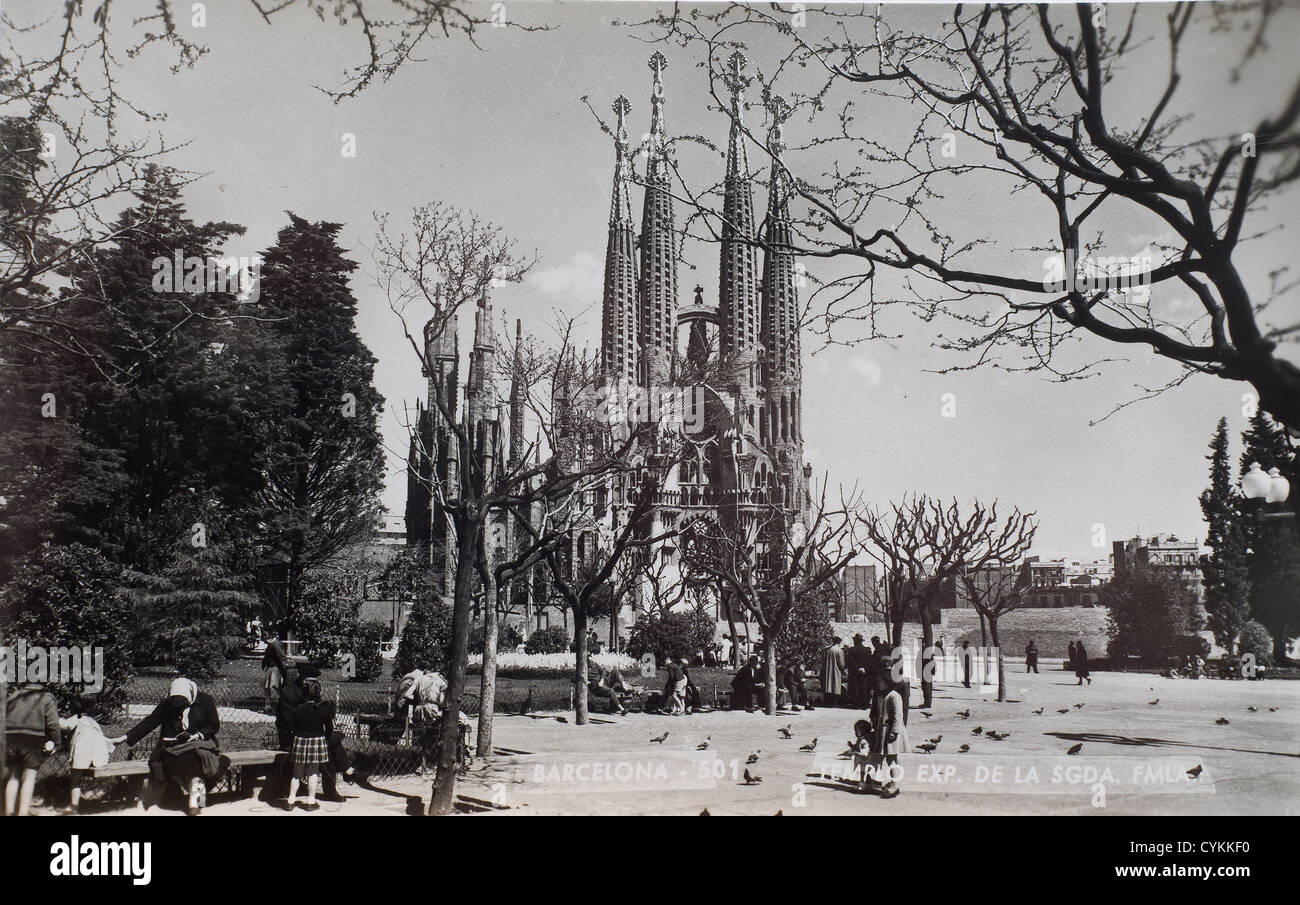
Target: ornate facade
pixel 740 368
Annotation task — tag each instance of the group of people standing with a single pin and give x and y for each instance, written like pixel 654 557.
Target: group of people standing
pixel 866 678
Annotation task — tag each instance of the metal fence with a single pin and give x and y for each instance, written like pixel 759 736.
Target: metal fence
pixel 380 743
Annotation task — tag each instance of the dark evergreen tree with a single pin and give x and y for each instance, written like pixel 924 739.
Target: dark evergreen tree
pixel 1152 614
pixel 1226 568
pixel 326 460
pixel 1273 541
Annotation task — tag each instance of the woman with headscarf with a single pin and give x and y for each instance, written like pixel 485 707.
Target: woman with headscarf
pixel 187 753
pixel 313 725
pixel 1081 663
pixel 889 725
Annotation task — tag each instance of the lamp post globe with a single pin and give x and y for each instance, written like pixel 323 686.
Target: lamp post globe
pixel 1255 483
pixel 1279 488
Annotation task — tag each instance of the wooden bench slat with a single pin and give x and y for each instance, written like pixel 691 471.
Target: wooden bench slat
pixel 257 757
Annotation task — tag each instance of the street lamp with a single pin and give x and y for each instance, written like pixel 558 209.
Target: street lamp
pixel 1271 487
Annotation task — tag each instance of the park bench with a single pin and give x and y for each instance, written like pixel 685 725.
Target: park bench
pixel 241 776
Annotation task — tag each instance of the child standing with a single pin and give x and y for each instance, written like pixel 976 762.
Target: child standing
pixel 87 747
pixel 312 723
pixel 32 726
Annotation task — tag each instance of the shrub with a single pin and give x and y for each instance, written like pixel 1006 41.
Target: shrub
pixel 69 596
pixel 325 619
pixel 1255 639
pixel 197 654
pixel 553 640
pixel 366 646
pixel 808 630
pixel 675 634
pixel 426 639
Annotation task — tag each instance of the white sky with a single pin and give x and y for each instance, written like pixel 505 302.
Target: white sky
pixel 502 131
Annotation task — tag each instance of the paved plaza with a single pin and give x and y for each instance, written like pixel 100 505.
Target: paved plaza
pixel 1139 752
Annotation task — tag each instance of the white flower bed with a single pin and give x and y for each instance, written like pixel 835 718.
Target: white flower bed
pixel 556 663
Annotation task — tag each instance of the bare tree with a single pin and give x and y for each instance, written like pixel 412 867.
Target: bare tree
pixel 766 561
pixel 924 544
pixel 994 591
pixel 1039 101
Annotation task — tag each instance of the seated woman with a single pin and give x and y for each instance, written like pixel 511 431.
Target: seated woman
pixel 187 754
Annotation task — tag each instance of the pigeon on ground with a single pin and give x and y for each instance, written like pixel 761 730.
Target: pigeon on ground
pixel 1221 721
pixel 780 813
pixel 927 747
pixel 751 779
pixel 1195 772
pixel 936 739
pixel 977 730
pixel 998 736
pixel 660 739
pixel 561 719
pixel 963 749
pixel 811 746
pixel 1252 708
pixel 1075 749
pixel 1064 710
pixel 1154 703
pixel 991 732
pixel 1078 706
pixel 753 756
pixel 785 731
pixel 964 714
pixel 1272 710
pixel 704 745
pixel 705 813
pixel 1039 710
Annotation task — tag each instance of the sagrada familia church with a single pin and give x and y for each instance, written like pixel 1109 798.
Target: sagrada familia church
pixel 741 367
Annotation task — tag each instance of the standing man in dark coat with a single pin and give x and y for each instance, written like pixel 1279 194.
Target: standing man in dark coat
pixel 966 655
pixel 858 661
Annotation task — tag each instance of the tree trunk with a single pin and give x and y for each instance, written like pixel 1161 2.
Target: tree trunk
pixel 735 638
pixel 769 671
pixel 580 666
pixel 1002 672
pixel 927 658
pixel 984 636
pixel 487 690
pixel 444 784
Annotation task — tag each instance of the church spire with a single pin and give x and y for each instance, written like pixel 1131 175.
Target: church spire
pixel 517 399
pixel 619 324
pixel 738 267
pixel 780 296
pixel 658 313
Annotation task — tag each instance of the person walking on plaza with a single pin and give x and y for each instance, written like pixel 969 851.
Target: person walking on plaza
pixel 1081 663
pixel 275 666
pixel 966 655
pixel 1031 657
pixel 32 727
pixel 833 672
pixel 674 688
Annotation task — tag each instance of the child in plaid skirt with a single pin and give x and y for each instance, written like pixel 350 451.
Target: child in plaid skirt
pixel 312 724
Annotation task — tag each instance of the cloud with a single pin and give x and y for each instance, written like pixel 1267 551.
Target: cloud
pixel 867 367
pixel 579 279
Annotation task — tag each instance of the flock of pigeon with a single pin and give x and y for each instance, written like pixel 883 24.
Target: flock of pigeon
pixel 931 744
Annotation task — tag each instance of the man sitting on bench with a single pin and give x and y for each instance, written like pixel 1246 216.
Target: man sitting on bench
pixel 747 686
